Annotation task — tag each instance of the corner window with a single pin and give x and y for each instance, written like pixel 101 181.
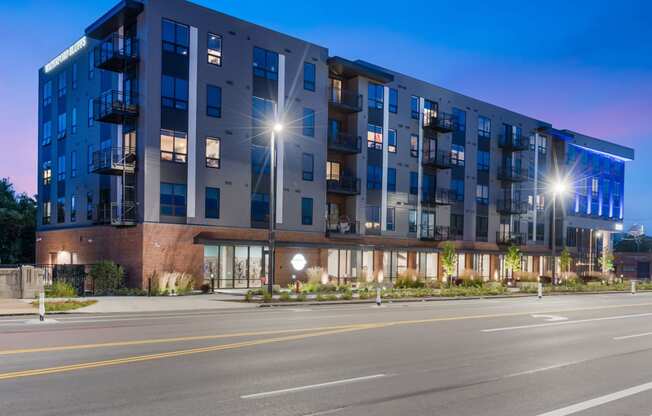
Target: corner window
pixel 47 172
pixel 308 122
pixel 375 98
pixel 374 137
pixel 73 208
pixel 174 92
pixel 62 84
pixel 214 49
pixel 212 152
pixel 213 101
pixel 265 64
pixel 174 146
pixel 393 100
pixel 392 141
pixel 309 76
pixel 212 203
pixel 391 179
pixel 47 93
pixel 306 211
pixel 173 199
pixel 308 167
pixel 47 212
pixel 176 38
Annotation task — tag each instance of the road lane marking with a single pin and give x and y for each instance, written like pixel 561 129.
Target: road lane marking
pixel 599 401
pixel 578 321
pixel 171 354
pixel 311 387
pixel 551 318
pixel 644 334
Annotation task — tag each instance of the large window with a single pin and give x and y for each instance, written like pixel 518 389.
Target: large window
pixel 91 120
pixel 308 167
pixel 61 209
pixel 308 122
pixel 214 49
pixel 482 194
pixel 174 92
pixel 481 227
pixel 457 155
pixel 457 188
pixel 213 101
pixel 89 158
pixel 174 146
pixel 262 114
pixel 427 265
pixel 173 199
pixel 89 206
pixel 414 183
pixel 47 93
pixel 392 141
pixel 391 218
pixel 62 84
pixel 374 136
pixel 460 118
pixel 391 179
pixel 235 266
pixel 47 133
pixel 212 152
pixel 374 177
pixel 393 100
pixel 373 219
pixel 414 107
pixel 414 145
pixel 73 121
pixel 47 172
pixel 259 160
pixel 61 168
pixel 412 221
pixel 73 208
pixel 73 164
pixel 74 76
pixel 212 203
pixel 484 127
pixel 394 263
pixel 309 76
pixel 333 171
pixel 375 99
pixel 61 126
pixel 265 64
pixel 306 211
pixel 47 212
pixel 259 206
pixel 457 225
pixel 483 160
pixel 175 37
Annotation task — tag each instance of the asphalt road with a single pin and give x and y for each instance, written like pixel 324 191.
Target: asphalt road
pixel 564 355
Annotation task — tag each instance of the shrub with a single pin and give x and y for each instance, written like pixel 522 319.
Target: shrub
pixel 285 296
pixel 364 294
pixel 107 276
pixel 171 283
pixel 409 279
pixel 267 297
pixel 61 289
pixel 249 296
pixel 314 274
pixel 184 283
pixel 347 295
pixel 302 297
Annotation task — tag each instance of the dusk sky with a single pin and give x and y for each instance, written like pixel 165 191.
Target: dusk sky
pixel 581 65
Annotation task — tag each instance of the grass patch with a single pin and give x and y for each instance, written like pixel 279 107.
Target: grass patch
pixel 65 305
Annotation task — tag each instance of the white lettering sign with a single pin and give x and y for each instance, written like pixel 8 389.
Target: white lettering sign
pixel 63 56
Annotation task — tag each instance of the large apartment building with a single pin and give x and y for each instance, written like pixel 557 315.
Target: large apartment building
pixel 154 151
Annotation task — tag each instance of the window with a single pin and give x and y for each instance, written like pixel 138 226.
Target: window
pixel 175 37
pixel 73 121
pixel 308 167
pixel 482 194
pixel 212 203
pixel 375 98
pixel 61 210
pixel 391 179
pixel 393 100
pixel 306 211
pixel 90 112
pixel 213 101
pixel 309 76
pixel 457 188
pixel 483 160
pixel 262 114
pixel 481 227
pixel 457 155
pixel 214 49
pixel 414 183
pixel 594 187
pixel 333 171
pixel 91 64
pixel 460 118
pixel 73 208
pixel 412 221
pixel 61 168
pixel 391 218
pixel 414 145
pixel 392 142
pixel 374 137
pixel 47 93
pixel 62 84
pixel 265 64
pixel 173 199
pixel 374 177
pixel 89 158
pixel 484 127
pixel 373 218
pixel 89 206
pixel 47 133
pixel 212 152
pixel 174 92
pixel 47 212
pixel 174 146
pixel 308 122
pixel 414 107
pixel 259 160
pixel 74 75
pixel 457 225
pixel 61 126
pixel 73 164
pixel 259 206
pixel 47 172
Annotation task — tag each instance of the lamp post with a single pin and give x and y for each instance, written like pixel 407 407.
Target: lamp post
pixel 559 188
pixel 277 128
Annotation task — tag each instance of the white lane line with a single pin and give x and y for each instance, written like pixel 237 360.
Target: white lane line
pixel 644 334
pixel 599 401
pixel 552 367
pixel 551 318
pixel 310 387
pixel 579 321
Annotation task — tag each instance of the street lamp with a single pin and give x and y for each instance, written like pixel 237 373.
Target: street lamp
pixel 276 129
pixel 558 188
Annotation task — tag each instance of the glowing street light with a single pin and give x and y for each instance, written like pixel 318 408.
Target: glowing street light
pixel 276 128
pixel 559 188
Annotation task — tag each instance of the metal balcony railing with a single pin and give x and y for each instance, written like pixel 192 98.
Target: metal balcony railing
pixel 511 174
pixel 511 143
pixel 123 213
pixel 345 100
pixel 510 238
pixel 114 161
pixel 342 227
pixel 116 53
pixel 115 107
pixel 439 159
pixel 441 123
pixel 435 233
pixel 345 185
pixel 439 196
pixel 511 207
pixel 345 143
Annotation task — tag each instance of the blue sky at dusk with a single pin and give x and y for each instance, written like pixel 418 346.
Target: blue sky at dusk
pixel 581 65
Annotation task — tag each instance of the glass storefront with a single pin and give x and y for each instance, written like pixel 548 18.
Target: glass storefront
pixel 427 265
pixel 394 263
pixel 349 264
pixel 235 267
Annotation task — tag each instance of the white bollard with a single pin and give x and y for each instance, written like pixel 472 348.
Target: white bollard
pixel 378 299
pixel 41 306
pixel 633 287
pixel 540 290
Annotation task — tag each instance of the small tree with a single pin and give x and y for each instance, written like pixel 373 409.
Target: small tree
pixel 565 260
pixel 606 261
pixel 513 260
pixel 448 260
pixel 107 277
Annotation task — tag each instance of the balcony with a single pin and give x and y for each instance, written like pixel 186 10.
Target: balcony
pixel 510 238
pixel 435 233
pixel 511 207
pixel 441 123
pixel 439 159
pixel 115 107
pixel 344 143
pixel 344 227
pixel 116 53
pixel 513 143
pixel 345 100
pixel 344 185
pixel 511 174
pixel 117 214
pixel 114 161
pixel 439 196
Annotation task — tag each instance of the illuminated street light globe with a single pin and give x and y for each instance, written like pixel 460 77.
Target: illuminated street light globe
pixel 560 187
pixel 298 262
pixel 278 127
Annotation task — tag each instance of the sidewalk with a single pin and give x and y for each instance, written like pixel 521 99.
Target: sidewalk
pixel 16 307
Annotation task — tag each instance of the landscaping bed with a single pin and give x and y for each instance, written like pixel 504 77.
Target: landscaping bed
pixel 64 305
